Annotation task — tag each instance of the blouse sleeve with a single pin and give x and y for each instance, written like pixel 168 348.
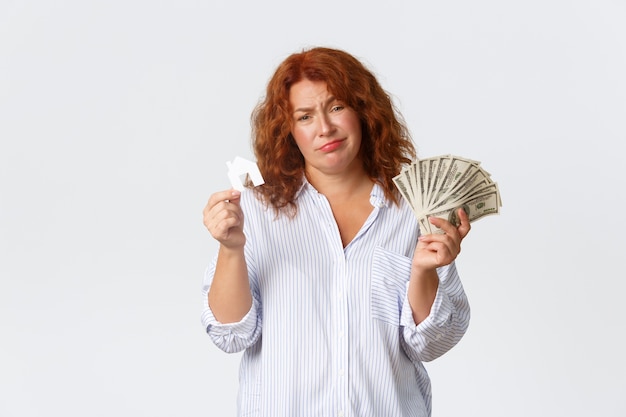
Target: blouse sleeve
pixel 230 337
pixel 445 325
pixel 449 315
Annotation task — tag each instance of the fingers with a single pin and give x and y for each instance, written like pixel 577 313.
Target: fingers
pixel 450 229
pixel 465 226
pixel 445 226
pixel 222 216
pixel 220 197
pixel 231 195
pixel 432 254
pixel 443 248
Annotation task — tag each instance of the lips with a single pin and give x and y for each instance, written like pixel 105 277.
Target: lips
pixel 331 146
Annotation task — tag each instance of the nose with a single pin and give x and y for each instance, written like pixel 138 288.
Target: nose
pixel 326 125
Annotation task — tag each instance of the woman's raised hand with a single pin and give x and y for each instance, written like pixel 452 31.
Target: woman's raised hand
pixel 223 218
pixel 435 250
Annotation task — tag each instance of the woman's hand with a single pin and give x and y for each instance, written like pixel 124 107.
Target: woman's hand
pixel 432 251
pixel 223 218
pixel 435 250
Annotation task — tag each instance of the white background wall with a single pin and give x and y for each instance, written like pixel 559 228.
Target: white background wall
pixel 117 118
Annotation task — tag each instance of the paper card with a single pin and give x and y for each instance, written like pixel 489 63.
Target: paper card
pixel 242 171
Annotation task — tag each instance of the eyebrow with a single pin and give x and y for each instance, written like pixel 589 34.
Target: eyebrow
pixel 307 109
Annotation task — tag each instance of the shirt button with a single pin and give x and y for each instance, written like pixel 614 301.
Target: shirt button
pixel 340 413
pixel 340 334
pixel 341 372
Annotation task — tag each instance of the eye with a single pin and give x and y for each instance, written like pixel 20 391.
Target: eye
pixel 304 117
pixel 337 107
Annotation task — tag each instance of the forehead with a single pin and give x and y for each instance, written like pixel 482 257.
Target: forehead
pixel 308 92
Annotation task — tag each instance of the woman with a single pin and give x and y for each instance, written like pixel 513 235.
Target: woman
pixel 322 276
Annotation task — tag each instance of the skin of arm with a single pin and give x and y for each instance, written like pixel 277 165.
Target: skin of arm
pixel 433 251
pixel 230 297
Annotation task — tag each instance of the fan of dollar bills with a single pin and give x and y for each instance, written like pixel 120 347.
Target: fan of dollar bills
pixel 439 186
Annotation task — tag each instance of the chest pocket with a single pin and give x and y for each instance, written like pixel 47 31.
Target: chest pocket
pixel 390 274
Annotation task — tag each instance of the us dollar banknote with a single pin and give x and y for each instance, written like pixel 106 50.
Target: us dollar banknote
pixel 439 186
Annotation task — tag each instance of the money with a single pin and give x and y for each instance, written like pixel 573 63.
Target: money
pixel 439 186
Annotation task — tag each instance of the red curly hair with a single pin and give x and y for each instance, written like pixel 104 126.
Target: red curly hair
pixel 386 144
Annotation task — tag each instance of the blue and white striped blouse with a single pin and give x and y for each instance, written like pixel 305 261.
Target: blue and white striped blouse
pixel 330 331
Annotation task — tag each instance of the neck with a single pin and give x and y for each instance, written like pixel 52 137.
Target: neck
pixel 340 186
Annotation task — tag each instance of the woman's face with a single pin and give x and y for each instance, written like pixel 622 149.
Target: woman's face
pixel 327 132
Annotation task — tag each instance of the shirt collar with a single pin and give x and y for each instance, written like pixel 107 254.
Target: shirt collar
pixel 377 195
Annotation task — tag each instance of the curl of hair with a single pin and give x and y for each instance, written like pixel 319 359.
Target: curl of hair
pixel 386 145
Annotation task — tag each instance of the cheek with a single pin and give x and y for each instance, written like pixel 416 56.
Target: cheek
pixel 353 124
pixel 300 136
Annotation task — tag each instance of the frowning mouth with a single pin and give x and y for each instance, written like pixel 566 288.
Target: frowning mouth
pixel 331 146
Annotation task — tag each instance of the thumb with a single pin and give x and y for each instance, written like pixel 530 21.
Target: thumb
pixel 235 197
